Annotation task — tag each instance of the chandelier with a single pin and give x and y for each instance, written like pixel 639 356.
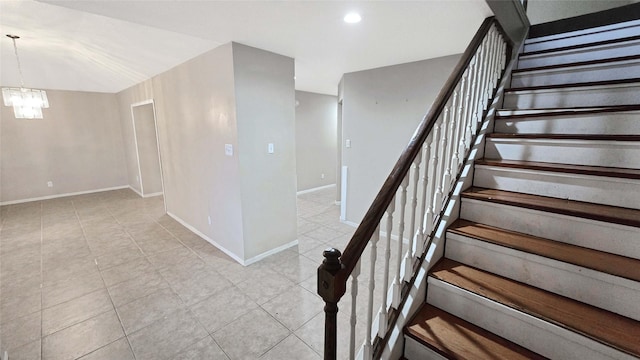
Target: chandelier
pixel 27 103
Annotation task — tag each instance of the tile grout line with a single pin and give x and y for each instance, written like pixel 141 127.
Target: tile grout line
pixel 84 235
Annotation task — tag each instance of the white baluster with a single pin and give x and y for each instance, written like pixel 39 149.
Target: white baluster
pixel 384 313
pixel 414 205
pixel 433 167
pixel 368 349
pixel 353 321
pixel 451 136
pixel 425 198
pixel 440 193
pixel 397 280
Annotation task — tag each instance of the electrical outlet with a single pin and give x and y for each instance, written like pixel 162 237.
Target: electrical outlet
pixel 321 176
pixel 50 183
pixel 209 219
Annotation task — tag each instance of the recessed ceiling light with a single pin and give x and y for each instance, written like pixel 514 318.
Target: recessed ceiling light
pixel 352 18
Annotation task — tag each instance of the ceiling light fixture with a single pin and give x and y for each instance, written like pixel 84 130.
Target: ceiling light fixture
pixel 352 18
pixel 27 103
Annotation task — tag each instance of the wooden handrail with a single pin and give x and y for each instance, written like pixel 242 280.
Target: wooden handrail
pixel 337 267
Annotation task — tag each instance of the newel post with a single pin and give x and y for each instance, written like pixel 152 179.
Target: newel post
pixel 330 292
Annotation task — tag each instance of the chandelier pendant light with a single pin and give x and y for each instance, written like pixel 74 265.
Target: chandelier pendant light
pixel 27 103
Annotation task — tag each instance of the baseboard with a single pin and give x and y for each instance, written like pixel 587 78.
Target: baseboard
pixel 270 252
pixel 153 194
pixel 226 251
pixel 49 197
pixel 135 191
pixel 211 241
pixel 350 223
pixel 315 189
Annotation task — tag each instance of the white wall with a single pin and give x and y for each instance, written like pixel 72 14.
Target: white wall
pixel 316 139
pixel 541 11
pixel 78 146
pixel 381 110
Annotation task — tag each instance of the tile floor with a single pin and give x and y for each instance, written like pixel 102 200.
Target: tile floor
pixel 110 276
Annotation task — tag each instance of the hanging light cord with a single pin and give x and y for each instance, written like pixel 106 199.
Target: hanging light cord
pixel 15 50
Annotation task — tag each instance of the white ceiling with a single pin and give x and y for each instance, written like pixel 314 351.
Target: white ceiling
pixel 108 45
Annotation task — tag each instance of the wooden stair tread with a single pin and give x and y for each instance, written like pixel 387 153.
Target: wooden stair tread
pixel 607 213
pixel 572 85
pixel 617 265
pixel 604 326
pixel 547 113
pixel 564 168
pixel 455 338
pixel 577 63
pixel 580 46
pixel 591 137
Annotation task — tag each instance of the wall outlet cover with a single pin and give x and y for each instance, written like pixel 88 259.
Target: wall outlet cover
pixel 228 149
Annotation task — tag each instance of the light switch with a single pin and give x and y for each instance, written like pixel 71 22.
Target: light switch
pixel 270 148
pixel 348 143
pixel 228 149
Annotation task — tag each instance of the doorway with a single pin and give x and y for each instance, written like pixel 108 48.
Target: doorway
pixel 145 133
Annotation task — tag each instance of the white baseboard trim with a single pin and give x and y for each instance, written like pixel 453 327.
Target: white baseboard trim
pixel 350 223
pixel 226 251
pixel 197 232
pixel 270 252
pixel 153 194
pixel 49 197
pixel 136 191
pixel 315 189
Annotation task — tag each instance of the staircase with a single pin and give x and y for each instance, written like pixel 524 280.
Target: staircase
pixel 544 261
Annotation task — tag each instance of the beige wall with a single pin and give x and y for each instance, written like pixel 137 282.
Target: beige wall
pixel 265 111
pixel 78 146
pixel 381 110
pixel 316 139
pixel 541 11
pixel 202 105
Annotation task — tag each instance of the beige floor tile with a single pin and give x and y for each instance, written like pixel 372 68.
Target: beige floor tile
pixel 146 310
pixel 198 286
pixel 172 257
pixel 132 289
pixel 117 350
pixel 290 347
pixel 129 270
pixel 19 306
pixel 203 349
pixel 221 309
pixel 30 351
pixel 68 269
pixel 74 311
pixel 119 256
pixel 167 337
pixel 66 289
pixel 20 331
pixel 307 305
pixel 257 325
pixel 83 338
pixel 265 287
pixel 297 268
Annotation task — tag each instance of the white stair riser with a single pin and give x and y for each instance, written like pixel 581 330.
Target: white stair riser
pixel 623 154
pixel 613 238
pixel 612 123
pixel 537 45
pixel 628 94
pixel 572 75
pixel 589 188
pixel 413 350
pixel 626 48
pixel 583 32
pixel 533 333
pixel 595 288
